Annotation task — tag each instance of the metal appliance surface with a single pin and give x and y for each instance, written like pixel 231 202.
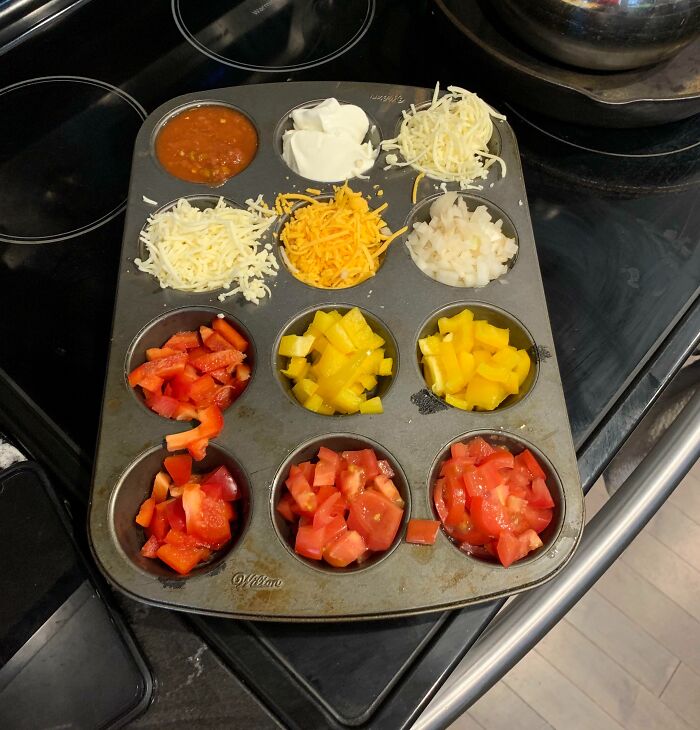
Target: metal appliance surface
pixel 665 92
pixel 603 35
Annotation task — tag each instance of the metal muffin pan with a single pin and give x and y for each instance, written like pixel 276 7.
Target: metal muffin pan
pixel 265 430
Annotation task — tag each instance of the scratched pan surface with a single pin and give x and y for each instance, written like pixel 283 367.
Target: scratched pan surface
pixel 258 576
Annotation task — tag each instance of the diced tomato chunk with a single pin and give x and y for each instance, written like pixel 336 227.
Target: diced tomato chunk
pixel 376 518
pixel 310 542
pixel 308 469
pixel 331 508
pixel 345 549
pixel 351 482
pixel 422 532
pixel 325 473
pixel 478 449
pixel 541 496
pixel 385 468
pixel 301 490
pixel 386 487
pixel 284 507
pixel 527 459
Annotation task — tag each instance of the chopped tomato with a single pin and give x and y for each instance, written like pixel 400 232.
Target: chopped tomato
pixel 284 507
pixel 345 549
pixel 325 473
pixel 301 490
pixel 331 508
pixel 336 527
pixel 375 518
pixel 422 532
pixel 505 502
pixel 308 469
pixel 351 482
pixel 387 488
pixel 179 467
pixel 310 542
pixel 385 468
pixel 531 464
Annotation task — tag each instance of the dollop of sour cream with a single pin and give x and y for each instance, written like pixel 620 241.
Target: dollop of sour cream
pixel 326 143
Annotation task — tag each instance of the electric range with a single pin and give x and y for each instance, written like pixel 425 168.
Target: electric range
pixel 615 215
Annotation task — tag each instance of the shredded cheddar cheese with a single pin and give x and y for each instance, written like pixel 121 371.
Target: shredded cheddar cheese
pixel 416 183
pixel 335 243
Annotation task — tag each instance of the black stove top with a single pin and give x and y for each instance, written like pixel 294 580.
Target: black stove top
pixel 616 214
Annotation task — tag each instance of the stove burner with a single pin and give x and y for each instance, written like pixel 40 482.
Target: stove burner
pixel 273 35
pixel 65 156
pixel 657 141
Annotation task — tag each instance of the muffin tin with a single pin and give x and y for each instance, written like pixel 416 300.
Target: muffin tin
pixel 258 575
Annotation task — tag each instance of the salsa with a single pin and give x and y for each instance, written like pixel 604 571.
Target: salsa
pixel 207 144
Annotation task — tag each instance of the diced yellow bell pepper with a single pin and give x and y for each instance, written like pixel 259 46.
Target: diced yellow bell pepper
pixel 434 374
pixel 346 401
pixel 297 368
pixel 304 389
pixel 495 338
pixel 464 337
pixel 357 388
pixel 467 365
pixel 373 405
pixel 372 362
pixel 296 346
pixel 322 321
pixel 493 372
pixel 512 385
pixel 386 365
pixel 326 409
pixel 314 403
pixel 454 380
pixel 332 360
pixel 453 400
pixel 484 394
pixel 523 366
pixel 452 324
pixel 481 356
pixel 506 358
pixel 339 338
pixel 430 345
pixel 368 382
pixel 320 344
pixel 347 374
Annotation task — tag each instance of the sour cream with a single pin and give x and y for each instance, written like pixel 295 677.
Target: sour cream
pixel 326 143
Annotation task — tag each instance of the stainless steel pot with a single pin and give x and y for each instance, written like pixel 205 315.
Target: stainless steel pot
pixel 605 35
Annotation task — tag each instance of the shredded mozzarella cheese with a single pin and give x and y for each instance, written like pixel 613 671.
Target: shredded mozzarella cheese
pixel 460 247
pixel 197 250
pixel 448 140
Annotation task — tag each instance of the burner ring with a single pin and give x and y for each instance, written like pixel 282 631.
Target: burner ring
pixel 77 222
pixel 258 9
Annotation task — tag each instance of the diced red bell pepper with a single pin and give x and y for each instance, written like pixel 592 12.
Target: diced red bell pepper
pixel 216 360
pixel 202 391
pixel 161 484
pixel 422 532
pixel 151 384
pixel 185 412
pixel 230 334
pixel 224 396
pixel 163 368
pixel 242 372
pixel 215 342
pixel 183 341
pixel 157 353
pixel 211 423
pixel 176 514
pixel 163 405
pixel 182 559
pixel 193 354
pixel 179 467
pixel 222 375
pixel 205 517
pixel 205 332
pixel 221 477
pixel 150 547
pixel 198 449
pixel 159 526
pixel 146 511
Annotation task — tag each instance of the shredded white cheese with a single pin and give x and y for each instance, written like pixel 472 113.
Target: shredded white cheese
pixel 460 247
pixel 448 140
pixel 197 250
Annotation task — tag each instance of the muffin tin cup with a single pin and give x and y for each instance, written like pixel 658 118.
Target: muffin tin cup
pixel 260 577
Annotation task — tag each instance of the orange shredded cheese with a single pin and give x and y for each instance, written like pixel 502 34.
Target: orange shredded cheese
pixel 416 183
pixel 336 243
